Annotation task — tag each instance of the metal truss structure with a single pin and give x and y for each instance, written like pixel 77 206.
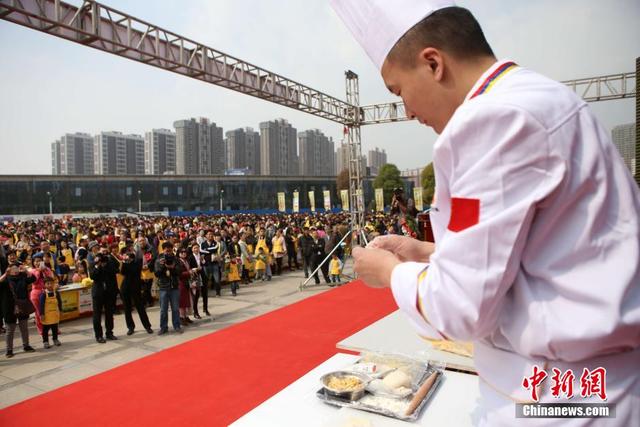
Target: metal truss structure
pixel 107 29
pixel 354 143
pixel 605 88
pixel 383 113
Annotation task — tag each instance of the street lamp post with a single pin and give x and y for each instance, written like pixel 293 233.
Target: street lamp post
pixel 221 196
pixel 139 201
pixel 50 203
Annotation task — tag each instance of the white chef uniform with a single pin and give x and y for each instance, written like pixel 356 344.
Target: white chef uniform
pixel 537 231
pixel 547 268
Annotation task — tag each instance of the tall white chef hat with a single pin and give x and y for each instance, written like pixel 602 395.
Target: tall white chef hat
pixel 378 24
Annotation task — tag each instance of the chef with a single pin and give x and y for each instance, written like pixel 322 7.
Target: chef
pixel 536 219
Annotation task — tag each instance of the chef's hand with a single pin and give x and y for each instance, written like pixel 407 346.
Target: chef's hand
pixel 374 266
pixel 405 248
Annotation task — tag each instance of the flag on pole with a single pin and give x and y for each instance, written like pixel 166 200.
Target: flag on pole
pixel 281 206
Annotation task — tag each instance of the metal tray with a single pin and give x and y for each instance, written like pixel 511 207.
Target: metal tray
pixel 358 404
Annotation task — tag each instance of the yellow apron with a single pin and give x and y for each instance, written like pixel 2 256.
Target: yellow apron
pixel 334 267
pixel 277 246
pixel 262 243
pixel 51 315
pixel 260 264
pixel 68 256
pixel 147 274
pixel 119 277
pixel 233 275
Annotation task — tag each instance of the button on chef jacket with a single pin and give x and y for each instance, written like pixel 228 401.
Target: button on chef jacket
pixel 536 222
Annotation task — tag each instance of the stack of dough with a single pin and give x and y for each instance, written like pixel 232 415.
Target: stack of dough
pixel 397 379
pixel 397 384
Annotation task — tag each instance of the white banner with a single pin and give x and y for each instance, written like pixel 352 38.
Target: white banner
pixel 417 198
pixel 312 200
pixel 344 195
pixel 296 201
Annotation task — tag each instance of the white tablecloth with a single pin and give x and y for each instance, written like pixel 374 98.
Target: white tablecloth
pixel 453 404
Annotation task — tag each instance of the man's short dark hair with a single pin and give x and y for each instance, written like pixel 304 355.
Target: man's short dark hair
pixel 166 245
pixel 452 29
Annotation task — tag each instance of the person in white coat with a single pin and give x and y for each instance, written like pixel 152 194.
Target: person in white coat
pixel 536 220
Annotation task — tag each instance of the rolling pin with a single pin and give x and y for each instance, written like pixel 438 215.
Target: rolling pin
pixel 421 393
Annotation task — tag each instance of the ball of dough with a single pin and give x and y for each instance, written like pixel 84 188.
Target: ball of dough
pixel 397 379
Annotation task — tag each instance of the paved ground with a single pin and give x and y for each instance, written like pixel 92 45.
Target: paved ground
pixel 80 356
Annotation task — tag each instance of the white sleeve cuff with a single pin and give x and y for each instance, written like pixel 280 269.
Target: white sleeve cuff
pixel 404 285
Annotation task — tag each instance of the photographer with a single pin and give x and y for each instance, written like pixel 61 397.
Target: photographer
pixel 146 254
pixel 103 292
pixel 130 291
pixel 406 212
pixel 167 273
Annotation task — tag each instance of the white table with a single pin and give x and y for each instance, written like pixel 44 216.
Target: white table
pixel 453 403
pixel 394 334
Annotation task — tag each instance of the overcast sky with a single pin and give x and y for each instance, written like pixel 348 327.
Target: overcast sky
pixel 50 86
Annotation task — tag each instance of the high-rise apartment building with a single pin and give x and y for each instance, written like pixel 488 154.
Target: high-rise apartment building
pixel 73 154
pixel 160 152
pixel 376 159
pixel 278 148
pixel 55 158
pixel 118 154
pixel 316 154
pixel 624 138
pixel 342 159
pixel 199 147
pixel 243 150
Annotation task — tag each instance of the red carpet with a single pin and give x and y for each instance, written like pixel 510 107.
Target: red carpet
pixel 215 379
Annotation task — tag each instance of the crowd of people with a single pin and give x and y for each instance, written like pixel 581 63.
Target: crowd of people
pixel 175 260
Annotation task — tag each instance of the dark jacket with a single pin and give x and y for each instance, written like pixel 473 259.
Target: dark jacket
pixel 234 250
pixel 3 264
pixel 210 250
pixel 131 272
pixel 332 242
pixel 305 244
pixel 317 250
pixel 21 286
pixel 104 279
pixel 288 241
pixel 43 298
pixel 167 281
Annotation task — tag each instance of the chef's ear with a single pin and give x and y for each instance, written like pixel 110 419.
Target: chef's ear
pixel 433 59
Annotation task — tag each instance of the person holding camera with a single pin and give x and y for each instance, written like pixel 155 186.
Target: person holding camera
pixel 15 284
pixel 406 213
pixel 131 269
pixel 103 294
pixel 167 273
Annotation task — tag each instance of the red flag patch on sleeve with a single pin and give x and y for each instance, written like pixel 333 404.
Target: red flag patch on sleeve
pixel 465 213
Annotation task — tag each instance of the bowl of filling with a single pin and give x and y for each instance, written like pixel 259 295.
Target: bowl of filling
pixel 345 384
